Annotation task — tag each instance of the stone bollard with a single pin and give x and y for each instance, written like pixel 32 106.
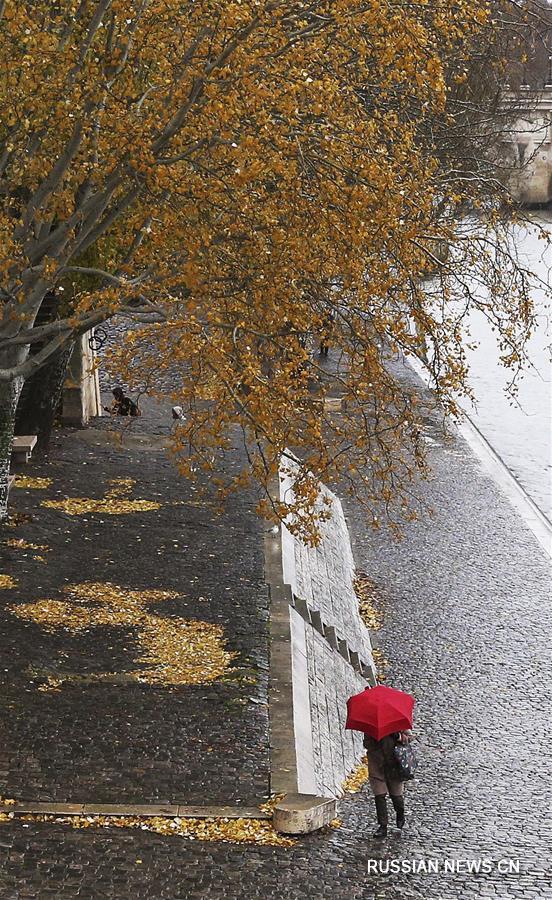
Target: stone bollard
pixel 303 813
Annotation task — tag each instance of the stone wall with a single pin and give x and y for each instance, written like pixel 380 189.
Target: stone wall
pixel 331 651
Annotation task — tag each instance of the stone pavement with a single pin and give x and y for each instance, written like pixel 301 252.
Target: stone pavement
pixel 76 723
pixel 467 624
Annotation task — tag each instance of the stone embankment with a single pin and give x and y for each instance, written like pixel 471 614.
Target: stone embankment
pixel 320 655
pixel 465 599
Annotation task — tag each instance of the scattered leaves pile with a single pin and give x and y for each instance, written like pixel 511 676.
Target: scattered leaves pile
pixel 370 612
pixel 179 651
pixel 20 544
pixel 381 663
pixel 36 484
pixel 17 518
pixel 234 831
pixel 115 502
pixel 6 801
pixel 358 777
pixel 54 684
pixel 270 804
pixel 6 582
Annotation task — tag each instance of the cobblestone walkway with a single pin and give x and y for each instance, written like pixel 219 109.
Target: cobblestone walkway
pixel 467 624
pixel 100 735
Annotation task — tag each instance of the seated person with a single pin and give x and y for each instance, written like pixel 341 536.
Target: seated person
pixel 122 406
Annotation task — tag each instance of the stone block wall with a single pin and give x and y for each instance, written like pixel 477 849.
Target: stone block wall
pixel 328 639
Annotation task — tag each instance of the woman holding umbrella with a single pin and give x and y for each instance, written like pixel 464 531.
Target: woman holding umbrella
pixel 384 777
pixel 385 717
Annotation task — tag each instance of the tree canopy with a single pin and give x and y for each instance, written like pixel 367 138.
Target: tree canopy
pixel 240 176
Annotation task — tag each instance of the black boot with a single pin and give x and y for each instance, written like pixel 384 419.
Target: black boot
pixel 381 812
pixel 398 806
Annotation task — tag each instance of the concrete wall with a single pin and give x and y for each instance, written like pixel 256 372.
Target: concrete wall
pixel 81 391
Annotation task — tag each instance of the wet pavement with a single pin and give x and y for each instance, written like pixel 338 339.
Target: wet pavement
pixel 77 724
pixel 466 627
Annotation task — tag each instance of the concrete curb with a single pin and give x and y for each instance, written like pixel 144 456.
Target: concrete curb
pixel 140 809
pixel 284 775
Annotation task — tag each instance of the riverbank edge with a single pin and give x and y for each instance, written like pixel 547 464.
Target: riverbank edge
pixel 501 475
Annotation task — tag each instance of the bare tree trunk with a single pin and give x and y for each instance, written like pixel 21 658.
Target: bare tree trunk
pixel 9 397
pixel 40 399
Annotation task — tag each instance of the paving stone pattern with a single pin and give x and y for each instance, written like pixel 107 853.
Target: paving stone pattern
pixel 135 743
pixel 467 629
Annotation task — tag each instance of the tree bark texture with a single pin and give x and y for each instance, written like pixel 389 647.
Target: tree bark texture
pixel 9 397
pixel 40 399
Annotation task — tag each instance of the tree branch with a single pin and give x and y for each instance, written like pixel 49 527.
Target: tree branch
pixel 52 181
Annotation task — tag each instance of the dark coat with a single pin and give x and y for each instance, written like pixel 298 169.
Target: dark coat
pixel 383 769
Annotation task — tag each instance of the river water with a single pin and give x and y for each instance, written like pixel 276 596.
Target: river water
pixel 520 432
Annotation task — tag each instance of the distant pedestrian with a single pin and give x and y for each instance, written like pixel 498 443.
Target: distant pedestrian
pixel 327 328
pixel 122 405
pixel 385 776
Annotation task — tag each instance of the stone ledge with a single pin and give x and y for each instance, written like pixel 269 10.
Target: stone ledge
pixel 139 809
pixel 303 813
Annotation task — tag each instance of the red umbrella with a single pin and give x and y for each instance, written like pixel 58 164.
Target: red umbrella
pixel 380 711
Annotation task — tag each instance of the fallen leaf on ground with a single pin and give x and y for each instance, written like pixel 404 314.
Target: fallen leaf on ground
pixel 113 504
pixel 368 602
pixel 381 662
pixel 357 779
pixel 78 506
pixel 234 831
pixel 6 581
pixel 20 544
pixel 26 481
pixel 176 651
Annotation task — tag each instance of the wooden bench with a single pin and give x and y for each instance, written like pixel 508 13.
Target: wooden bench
pixel 22 448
